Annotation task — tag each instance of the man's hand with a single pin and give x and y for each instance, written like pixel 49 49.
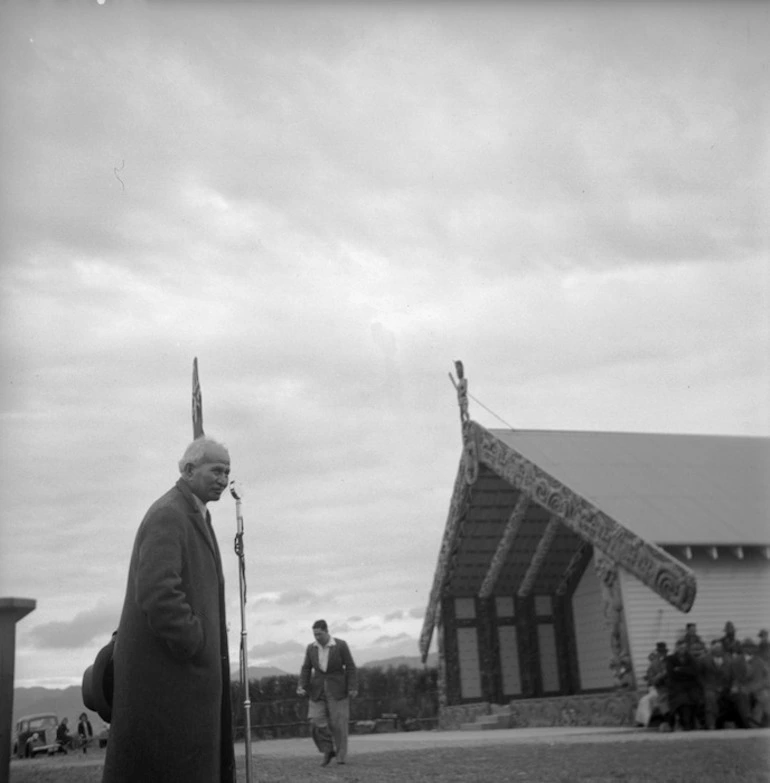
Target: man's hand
pixel 301 692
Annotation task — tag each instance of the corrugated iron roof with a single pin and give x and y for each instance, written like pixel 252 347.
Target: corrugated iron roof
pixel 694 490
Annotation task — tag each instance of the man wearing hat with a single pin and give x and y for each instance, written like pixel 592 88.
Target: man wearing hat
pixel 751 686
pixel 683 686
pixel 171 714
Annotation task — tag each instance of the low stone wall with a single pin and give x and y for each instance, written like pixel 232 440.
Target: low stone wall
pixel 600 709
pixel 453 717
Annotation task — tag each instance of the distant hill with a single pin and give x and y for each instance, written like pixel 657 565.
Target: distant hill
pixel 64 702
pixel 68 702
pixel 257 672
pixel 412 661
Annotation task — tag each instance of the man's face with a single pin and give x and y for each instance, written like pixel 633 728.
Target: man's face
pixel 209 480
pixel 321 636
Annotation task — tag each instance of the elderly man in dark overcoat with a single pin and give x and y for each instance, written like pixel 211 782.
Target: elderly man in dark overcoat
pixel 171 714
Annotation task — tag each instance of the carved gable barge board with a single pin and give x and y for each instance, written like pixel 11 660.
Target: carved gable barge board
pixel 662 573
pixel 457 509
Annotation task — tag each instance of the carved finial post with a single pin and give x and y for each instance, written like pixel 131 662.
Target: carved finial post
pixel 471 460
pixel 461 386
pixel 197 403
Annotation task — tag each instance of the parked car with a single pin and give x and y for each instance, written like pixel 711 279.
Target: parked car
pixel 35 734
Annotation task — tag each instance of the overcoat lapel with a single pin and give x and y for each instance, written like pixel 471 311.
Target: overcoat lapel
pixel 201 525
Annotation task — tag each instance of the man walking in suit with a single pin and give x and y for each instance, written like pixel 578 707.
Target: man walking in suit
pixel 328 676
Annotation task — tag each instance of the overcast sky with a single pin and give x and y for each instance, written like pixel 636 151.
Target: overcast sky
pixel 328 204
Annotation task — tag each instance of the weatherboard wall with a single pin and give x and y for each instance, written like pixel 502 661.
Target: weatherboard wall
pixel 729 588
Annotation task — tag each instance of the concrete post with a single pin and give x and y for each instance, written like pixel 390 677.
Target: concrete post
pixel 11 611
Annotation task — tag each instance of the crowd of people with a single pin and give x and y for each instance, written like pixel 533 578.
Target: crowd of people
pixel 724 684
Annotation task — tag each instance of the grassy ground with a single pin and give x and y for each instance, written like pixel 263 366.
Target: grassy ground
pixel 736 760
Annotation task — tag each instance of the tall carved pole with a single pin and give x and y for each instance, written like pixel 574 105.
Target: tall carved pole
pixel 197 423
pixel 620 661
pixel 470 453
pixel 197 403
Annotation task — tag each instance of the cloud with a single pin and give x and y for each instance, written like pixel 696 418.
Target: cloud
pixel 295 597
pixel 81 631
pixel 268 650
pixel 302 596
pixel 387 641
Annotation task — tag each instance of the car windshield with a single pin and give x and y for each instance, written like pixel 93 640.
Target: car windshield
pixel 47 722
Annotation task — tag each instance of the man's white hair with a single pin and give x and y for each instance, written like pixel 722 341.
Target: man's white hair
pixel 196 451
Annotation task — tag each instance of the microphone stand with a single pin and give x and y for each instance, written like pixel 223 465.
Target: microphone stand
pixel 244 665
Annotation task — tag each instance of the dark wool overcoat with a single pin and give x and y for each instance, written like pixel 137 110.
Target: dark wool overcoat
pixel 682 680
pixel 171 716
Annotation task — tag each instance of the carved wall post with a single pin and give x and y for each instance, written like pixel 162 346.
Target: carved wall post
pixel 620 660
pixel 451 652
pixel 491 684
pixel 564 624
pixel 442 696
pixel 529 649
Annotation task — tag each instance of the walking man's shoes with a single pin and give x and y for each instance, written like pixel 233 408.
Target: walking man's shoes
pixel 328 756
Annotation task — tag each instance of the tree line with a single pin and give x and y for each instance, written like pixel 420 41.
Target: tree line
pixel 408 695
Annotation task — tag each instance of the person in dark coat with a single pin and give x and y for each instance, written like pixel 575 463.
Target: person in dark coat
pixel 693 639
pixel 63 736
pixel 730 643
pixel 715 675
pixel 171 713
pixel 683 686
pixel 85 731
pixel 329 677
pixel 751 686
